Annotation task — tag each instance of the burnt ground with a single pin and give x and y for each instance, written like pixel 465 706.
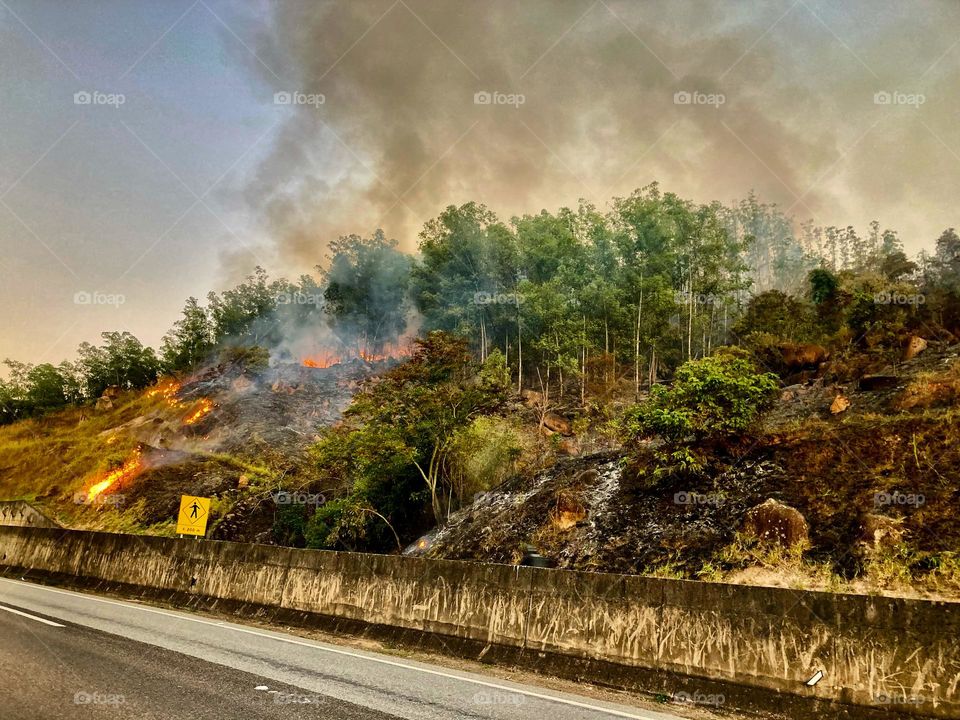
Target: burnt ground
pixel 891 458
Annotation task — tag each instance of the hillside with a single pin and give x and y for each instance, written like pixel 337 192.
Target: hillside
pixel 876 484
pixel 227 431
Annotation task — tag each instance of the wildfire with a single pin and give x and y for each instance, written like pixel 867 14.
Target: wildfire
pixel 167 390
pixel 327 358
pixel 204 407
pixel 126 471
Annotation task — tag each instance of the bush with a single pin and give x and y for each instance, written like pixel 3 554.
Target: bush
pixel 714 398
pixel 712 402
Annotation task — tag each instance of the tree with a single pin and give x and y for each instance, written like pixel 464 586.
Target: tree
pixel 244 313
pixel 191 339
pixel 365 288
pixel 712 402
pixel 778 314
pixel 390 454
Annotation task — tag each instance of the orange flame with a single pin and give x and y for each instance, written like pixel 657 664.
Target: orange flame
pixel 167 389
pixel 126 471
pixel 391 351
pixel 205 407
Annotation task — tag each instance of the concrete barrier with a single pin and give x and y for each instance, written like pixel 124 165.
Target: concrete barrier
pixel 23 514
pixel 881 657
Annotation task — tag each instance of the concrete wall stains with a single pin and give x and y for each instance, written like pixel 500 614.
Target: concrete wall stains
pixel 889 654
pixel 23 514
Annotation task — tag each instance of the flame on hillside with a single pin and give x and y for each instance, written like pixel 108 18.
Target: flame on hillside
pixel 168 390
pixel 328 358
pixel 125 472
pixel 204 407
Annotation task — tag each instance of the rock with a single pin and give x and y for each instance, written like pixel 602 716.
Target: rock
pixel 531 398
pixel 869 383
pixel 800 357
pixel 568 512
pixel 557 423
pixel 568 446
pixel 588 477
pixel 879 531
pixel 772 521
pixel 839 404
pixel 913 347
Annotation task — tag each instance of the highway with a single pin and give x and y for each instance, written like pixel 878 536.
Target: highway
pixel 71 655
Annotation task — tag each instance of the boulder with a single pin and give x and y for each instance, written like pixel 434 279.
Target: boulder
pixel 557 423
pixel 569 446
pixel 879 531
pixel 531 398
pixel 913 347
pixel 568 511
pixel 772 521
pixel 839 404
pixel 802 356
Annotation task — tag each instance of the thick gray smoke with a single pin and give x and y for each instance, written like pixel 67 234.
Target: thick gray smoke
pixel 711 99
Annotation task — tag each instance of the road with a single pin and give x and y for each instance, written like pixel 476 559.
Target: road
pixel 71 655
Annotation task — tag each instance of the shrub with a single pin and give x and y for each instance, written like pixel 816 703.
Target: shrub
pixel 714 398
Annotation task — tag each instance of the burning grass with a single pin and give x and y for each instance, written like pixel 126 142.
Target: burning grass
pixel 129 470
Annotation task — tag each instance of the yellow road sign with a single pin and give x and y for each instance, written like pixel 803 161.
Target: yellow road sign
pixel 194 512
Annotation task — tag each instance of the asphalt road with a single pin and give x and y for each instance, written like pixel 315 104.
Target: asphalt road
pixel 71 655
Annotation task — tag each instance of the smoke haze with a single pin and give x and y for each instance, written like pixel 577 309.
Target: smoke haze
pixel 780 97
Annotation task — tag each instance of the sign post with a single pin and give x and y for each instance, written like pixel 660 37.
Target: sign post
pixel 192 519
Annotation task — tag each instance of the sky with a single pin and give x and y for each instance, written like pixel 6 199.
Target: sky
pixel 153 151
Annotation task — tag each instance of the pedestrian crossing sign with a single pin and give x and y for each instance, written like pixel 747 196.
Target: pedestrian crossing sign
pixel 194 512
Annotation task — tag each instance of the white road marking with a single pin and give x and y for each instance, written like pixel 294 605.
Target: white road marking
pixel 32 617
pixel 348 653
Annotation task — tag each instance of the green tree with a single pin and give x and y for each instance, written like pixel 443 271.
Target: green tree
pixel 365 291
pixel 191 339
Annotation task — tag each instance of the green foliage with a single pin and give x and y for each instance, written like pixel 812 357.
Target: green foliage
pixel 778 314
pixel 365 291
pixel 482 455
pixel 397 429
pixel 190 340
pixel 713 399
pixel 290 525
pixel 252 358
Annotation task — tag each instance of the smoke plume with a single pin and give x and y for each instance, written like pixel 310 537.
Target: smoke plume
pixel 593 99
